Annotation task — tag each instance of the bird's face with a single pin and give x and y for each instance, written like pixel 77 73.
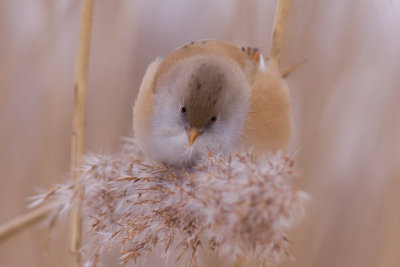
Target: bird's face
pixel 200 106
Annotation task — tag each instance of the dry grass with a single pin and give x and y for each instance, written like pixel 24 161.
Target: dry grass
pixel 237 207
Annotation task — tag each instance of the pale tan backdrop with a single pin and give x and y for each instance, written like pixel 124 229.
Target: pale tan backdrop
pixel 346 103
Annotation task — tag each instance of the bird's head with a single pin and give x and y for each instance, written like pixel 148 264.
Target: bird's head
pixel 200 106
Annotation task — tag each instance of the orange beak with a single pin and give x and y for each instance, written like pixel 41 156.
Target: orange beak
pixel 192 135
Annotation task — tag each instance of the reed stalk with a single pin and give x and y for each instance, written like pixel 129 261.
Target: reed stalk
pixel 15 225
pixel 278 34
pixel 78 134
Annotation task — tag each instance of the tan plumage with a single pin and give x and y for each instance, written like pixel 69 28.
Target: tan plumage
pixel 245 86
pixel 268 125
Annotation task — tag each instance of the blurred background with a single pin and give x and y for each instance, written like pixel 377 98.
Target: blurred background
pixel 346 105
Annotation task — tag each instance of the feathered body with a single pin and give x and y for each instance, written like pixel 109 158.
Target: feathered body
pixel 211 95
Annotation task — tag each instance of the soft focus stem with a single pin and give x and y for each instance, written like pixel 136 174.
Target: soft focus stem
pixel 278 34
pixel 77 145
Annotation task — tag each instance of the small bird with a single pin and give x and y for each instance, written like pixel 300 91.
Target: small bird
pixel 211 96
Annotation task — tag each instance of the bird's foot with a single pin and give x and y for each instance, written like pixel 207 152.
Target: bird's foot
pixel 253 53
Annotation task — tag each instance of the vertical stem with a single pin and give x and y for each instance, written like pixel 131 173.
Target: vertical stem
pixel 278 35
pixel 77 145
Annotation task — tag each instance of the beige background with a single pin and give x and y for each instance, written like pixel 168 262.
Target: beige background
pixel 346 104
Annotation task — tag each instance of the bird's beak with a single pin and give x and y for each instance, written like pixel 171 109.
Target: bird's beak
pixel 192 134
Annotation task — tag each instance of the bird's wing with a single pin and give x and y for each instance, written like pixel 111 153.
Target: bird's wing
pixel 144 102
pixel 268 125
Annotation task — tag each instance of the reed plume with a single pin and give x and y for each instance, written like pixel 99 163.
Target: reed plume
pixel 234 206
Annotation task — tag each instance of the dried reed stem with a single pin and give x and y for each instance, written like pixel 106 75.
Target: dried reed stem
pixel 278 34
pixel 9 228
pixel 77 146
pixel 289 69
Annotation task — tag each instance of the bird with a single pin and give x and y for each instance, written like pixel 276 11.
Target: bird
pixel 211 96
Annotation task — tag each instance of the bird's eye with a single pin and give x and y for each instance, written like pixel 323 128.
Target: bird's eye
pixel 213 119
pixel 183 110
